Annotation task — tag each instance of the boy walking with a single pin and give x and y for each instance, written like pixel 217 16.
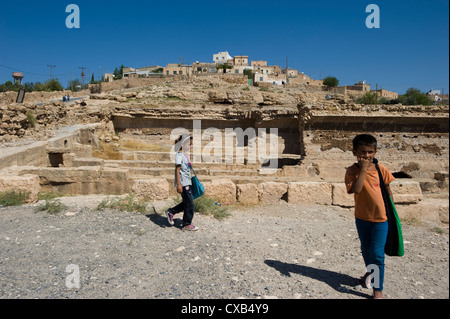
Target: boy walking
pixel 362 180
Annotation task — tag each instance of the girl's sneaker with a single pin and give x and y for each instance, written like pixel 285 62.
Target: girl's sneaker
pixel 190 227
pixel 169 217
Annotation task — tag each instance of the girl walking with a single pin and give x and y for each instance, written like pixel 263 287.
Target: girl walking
pixel 183 184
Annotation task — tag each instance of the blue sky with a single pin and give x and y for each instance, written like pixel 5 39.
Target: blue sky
pixel 319 38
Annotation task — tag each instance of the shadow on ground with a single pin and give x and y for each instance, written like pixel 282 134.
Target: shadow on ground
pixel 337 281
pixel 161 220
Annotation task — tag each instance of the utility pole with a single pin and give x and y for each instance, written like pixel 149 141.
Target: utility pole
pixel 82 76
pixel 376 93
pixel 51 67
pixel 287 79
pixel 71 86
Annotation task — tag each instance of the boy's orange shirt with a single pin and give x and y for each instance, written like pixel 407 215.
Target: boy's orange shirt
pixel 369 204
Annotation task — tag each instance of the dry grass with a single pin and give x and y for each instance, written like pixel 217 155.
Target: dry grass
pixel 112 150
pixel 106 151
pixel 137 145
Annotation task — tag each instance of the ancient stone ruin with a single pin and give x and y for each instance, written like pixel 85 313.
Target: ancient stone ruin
pixel 119 141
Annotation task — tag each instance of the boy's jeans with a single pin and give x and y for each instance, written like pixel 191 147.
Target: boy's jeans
pixel 187 205
pixel 373 239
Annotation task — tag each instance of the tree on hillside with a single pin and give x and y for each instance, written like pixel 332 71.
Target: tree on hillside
pixel 76 85
pixel 248 73
pixel 414 96
pixel 118 73
pixel 224 67
pixel 331 81
pixel 52 85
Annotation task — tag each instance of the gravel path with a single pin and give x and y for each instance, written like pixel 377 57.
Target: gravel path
pixel 277 251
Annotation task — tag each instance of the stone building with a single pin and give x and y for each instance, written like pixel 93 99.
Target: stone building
pixel 303 79
pixel 240 60
pixel 201 67
pixel 177 69
pixel 259 63
pixel 221 57
pixel 390 95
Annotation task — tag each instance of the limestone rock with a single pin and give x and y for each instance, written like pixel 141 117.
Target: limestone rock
pixel 151 188
pixel 310 193
pixel 25 183
pixel 271 192
pixel 340 196
pixel 222 190
pixel 406 192
pixel 247 194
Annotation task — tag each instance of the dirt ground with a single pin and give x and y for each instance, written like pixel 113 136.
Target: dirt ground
pixel 280 251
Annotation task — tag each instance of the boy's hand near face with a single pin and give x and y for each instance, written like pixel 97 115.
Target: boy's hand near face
pixel 364 163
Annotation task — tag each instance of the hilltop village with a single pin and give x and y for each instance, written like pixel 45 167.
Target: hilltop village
pixel 258 71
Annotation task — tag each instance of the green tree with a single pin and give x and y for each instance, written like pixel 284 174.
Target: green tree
pixel 224 67
pixel 118 72
pixel 158 70
pixel 248 73
pixel 75 86
pixel 38 86
pixel 414 96
pixel 28 86
pixel 53 85
pixel 331 81
pixel 368 98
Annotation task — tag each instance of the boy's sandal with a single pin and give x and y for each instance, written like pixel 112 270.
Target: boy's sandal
pixel 364 281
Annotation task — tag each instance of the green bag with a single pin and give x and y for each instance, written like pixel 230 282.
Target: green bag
pixel 394 242
pixel 397 248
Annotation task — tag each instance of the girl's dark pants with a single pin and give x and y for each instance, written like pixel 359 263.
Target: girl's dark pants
pixel 187 205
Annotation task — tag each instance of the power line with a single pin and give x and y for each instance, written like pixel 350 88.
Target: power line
pixel 51 67
pixel 29 72
pixel 15 69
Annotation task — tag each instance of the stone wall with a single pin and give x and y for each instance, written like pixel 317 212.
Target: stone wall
pixel 412 141
pixel 34 97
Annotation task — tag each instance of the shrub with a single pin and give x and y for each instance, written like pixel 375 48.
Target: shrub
pixel 205 204
pixel 129 204
pixel 368 98
pixel 13 198
pixel 331 81
pixel 413 96
pixel 53 206
pixel 31 119
pixel 49 195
